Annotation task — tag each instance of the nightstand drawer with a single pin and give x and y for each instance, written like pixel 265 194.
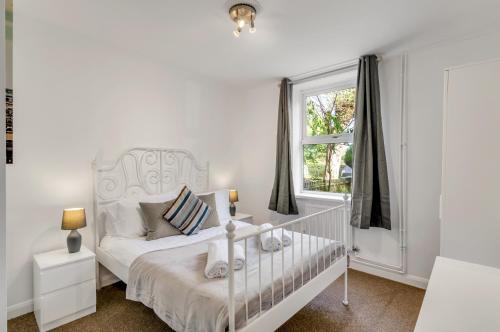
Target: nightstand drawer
pixel 67 301
pixel 66 275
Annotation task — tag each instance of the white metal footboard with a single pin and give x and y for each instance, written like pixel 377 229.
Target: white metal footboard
pixel 318 257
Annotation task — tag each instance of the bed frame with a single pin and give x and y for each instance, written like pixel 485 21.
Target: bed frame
pixel 149 171
pixel 327 225
pixel 136 173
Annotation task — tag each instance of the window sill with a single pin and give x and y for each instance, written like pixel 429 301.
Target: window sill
pixel 322 197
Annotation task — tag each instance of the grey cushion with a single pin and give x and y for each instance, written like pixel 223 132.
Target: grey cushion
pixel 156 226
pixel 213 218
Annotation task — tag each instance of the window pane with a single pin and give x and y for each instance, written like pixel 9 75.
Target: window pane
pixel 330 113
pixel 328 167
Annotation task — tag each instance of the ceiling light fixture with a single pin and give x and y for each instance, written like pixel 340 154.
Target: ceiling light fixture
pixel 237 31
pixel 243 14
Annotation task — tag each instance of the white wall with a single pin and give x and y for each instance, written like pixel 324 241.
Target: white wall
pixel 256 145
pixel 424 108
pixel 76 96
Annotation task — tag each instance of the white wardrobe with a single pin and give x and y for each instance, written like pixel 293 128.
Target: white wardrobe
pixel 470 189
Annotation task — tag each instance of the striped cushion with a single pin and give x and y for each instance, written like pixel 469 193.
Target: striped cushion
pixel 188 213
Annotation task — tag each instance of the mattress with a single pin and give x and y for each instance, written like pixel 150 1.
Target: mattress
pixel 126 250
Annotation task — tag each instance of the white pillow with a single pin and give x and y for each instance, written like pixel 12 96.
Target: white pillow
pixel 108 217
pixel 125 219
pixel 222 203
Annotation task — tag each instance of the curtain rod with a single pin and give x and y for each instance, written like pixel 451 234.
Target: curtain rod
pixel 324 72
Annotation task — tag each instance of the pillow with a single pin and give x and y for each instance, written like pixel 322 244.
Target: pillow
pixel 124 219
pixel 213 218
pixel 108 216
pixel 188 213
pixel 222 201
pixel 156 226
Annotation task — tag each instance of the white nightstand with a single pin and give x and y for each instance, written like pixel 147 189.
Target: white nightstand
pixel 64 287
pixel 243 217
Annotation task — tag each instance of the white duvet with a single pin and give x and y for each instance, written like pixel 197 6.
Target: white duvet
pixel 126 250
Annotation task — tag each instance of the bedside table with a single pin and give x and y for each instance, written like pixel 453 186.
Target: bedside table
pixel 64 287
pixel 248 218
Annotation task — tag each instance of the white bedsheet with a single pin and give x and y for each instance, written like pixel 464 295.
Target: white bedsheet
pixel 126 250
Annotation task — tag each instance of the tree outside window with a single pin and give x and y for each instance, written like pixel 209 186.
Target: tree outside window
pixel 327 141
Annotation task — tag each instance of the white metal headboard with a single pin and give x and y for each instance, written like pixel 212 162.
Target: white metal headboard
pixel 139 172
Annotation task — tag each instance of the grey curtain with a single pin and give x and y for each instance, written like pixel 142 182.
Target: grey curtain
pixel 283 197
pixel 370 186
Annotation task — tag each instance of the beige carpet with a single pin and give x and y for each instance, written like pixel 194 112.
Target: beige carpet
pixel 375 304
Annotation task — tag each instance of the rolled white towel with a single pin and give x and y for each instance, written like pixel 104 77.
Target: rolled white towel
pixel 217 259
pixel 287 238
pixel 239 256
pixel 270 243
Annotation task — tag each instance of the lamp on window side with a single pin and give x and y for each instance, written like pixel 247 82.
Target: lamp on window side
pixel 72 220
pixel 233 197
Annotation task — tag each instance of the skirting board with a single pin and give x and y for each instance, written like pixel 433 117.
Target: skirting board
pixel 407 279
pixel 19 309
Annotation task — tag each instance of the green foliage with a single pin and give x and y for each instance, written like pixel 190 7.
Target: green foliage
pixel 330 113
pixel 348 156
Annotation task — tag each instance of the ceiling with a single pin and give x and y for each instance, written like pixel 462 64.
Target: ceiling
pixel 292 36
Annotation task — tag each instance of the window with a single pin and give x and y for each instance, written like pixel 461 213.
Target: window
pixel 326 141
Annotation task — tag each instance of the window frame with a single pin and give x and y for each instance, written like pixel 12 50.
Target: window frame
pixel 304 139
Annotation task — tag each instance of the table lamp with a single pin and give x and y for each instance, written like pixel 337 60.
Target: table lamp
pixel 72 220
pixel 233 197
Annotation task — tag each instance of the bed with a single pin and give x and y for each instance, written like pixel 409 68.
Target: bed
pixel 268 290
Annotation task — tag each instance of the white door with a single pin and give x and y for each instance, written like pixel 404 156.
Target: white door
pixel 470 224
